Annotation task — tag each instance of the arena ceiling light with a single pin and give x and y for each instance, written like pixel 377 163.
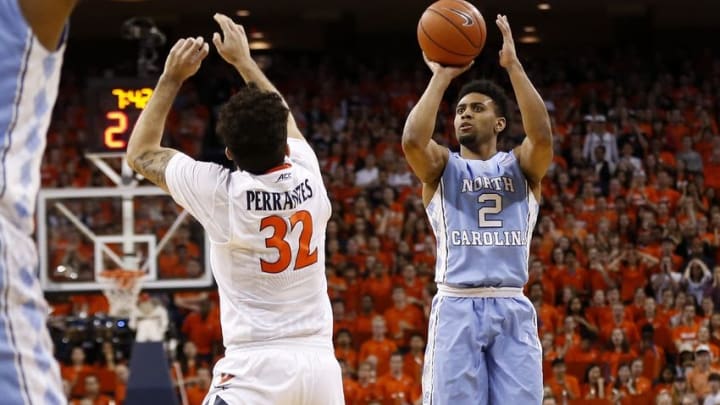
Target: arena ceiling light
pixel 242 13
pixel 544 6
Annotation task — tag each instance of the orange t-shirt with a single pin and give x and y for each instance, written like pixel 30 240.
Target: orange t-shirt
pixel 396 390
pixel 381 349
pixel 202 332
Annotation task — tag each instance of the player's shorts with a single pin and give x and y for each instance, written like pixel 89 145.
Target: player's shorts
pixel 483 348
pixel 288 375
pixel 29 373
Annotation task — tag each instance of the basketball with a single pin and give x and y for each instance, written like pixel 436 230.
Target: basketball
pixel 451 32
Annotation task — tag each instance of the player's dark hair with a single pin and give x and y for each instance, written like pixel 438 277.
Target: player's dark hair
pixel 501 101
pixel 253 126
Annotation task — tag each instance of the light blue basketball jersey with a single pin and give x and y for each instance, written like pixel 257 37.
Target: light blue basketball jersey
pixel 29 78
pixel 483 214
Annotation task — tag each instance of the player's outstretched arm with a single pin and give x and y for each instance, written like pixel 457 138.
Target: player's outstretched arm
pixel 535 153
pixel 233 46
pixel 144 153
pixel 426 158
pixel 47 18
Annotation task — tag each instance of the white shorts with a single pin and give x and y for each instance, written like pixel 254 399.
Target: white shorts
pixel 277 376
pixel 29 373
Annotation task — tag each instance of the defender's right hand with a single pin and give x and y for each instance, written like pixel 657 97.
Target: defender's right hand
pixel 233 46
pixel 450 72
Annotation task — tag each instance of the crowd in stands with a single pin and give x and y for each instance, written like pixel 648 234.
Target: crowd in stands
pixel 624 260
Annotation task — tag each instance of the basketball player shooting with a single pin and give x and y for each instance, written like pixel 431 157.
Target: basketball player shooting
pixel 266 222
pixel 483 346
pixel 33 34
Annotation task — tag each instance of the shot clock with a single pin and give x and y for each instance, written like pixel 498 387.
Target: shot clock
pixel 114 106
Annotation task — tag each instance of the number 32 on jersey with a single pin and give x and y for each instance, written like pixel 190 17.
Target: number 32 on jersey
pixel 279 241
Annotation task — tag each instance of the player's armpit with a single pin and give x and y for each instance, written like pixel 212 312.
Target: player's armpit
pixel 47 18
pixel 427 161
pixel 152 164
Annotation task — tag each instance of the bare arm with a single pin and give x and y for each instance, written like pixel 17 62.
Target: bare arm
pixel 47 18
pixel 426 158
pixel 535 153
pixel 235 49
pixel 144 153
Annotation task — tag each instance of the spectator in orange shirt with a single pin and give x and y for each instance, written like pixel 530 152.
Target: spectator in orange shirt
pixel 594 385
pixel 353 292
pixel 363 321
pixel 548 318
pixel 537 273
pixel 351 388
pixel 92 392
pixel 367 383
pixel 687 328
pixel 624 386
pixel 344 349
pixel 653 355
pixel 378 349
pixel 340 318
pixel 415 357
pixel 412 284
pixel 585 351
pixel 379 286
pixel 198 386
pixel 697 377
pixel 641 383
pixel 76 368
pixel 618 351
pixel 121 379
pixel 561 384
pixel 203 329
pixel 397 387
pixel 403 318
pixel 576 309
pixel 619 321
pixel 573 275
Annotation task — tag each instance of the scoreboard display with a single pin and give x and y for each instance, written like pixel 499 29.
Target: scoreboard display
pixel 114 106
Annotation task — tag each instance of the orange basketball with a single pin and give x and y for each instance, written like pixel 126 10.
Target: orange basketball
pixel 451 32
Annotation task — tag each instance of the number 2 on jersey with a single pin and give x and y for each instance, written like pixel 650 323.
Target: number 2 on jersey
pixel 494 208
pixel 278 241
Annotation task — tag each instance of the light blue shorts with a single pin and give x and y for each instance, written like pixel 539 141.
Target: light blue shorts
pixel 482 351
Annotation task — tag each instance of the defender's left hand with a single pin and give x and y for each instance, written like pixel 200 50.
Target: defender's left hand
pixel 185 58
pixel 508 56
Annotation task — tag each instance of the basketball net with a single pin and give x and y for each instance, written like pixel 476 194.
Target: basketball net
pixel 121 288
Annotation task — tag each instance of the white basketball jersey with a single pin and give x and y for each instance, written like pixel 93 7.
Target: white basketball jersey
pixel 268 246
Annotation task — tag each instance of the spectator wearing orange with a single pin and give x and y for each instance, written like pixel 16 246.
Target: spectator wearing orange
pixel 351 388
pixel 652 354
pixel 403 318
pixel 198 387
pixel 363 320
pixel 548 317
pixel 397 387
pixel 687 327
pixel 92 393
pixel 576 310
pixel 369 390
pixel 697 377
pixel 573 275
pixel 77 368
pixel 203 329
pixel 412 284
pixel 340 318
pixel 353 291
pixel 337 285
pixel 561 384
pixel 618 350
pixel 641 383
pixel 378 285
pixel 619 321
pixel 415 358
pixel 598 313
pixel 623 388
pixel 537 273
pixel 121 379
pixel 593 387
pixel 377 350
pixel 344 349
pixel 704 340
pixel 630 272
pixel 584 351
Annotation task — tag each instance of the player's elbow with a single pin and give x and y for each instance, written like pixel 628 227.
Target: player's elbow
pixel 411 142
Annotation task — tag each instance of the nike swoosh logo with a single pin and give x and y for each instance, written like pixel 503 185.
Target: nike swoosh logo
pixel 465 16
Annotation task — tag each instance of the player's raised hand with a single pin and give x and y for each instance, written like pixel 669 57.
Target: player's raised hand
pixel 508 56
pixel 233 45
pixel 449 71
pixel 185 58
